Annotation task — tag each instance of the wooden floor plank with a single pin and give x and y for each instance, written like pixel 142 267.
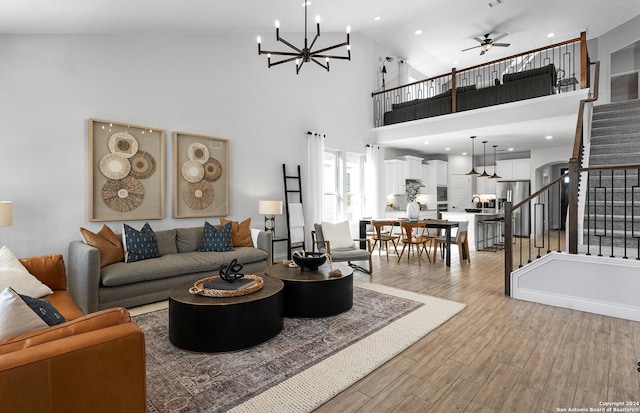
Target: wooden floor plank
pixel 498 354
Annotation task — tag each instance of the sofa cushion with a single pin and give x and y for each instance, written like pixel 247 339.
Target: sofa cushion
pixel 64 302
pixel 166 242
pixel 189 239
pixel 49 269
pixel 174 265
pixel 240 232
pixel 107 242
pixel 139 245
pixel 13 274
pixel 216 238
pixel 84 324
pixel 16 317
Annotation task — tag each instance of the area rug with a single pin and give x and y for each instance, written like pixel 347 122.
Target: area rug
pixel 307 364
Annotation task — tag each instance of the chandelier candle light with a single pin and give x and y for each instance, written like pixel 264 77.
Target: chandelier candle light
pixel 305 54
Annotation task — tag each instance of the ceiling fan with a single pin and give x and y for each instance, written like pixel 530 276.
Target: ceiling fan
pixel 487 43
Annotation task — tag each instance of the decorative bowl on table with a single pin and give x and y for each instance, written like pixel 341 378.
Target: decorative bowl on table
pixel 310 261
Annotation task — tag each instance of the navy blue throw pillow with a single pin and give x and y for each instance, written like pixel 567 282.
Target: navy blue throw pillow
pixel 216 239
pixel 139 245
pixel 44 309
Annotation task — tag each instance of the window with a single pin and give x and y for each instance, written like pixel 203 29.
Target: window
pixel 343 186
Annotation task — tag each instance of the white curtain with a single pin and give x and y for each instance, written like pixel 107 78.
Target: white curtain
pixel 371 178
pixel 314 180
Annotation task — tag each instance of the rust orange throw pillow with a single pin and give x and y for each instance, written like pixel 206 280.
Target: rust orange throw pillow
pixel 107 242
pixel 240 232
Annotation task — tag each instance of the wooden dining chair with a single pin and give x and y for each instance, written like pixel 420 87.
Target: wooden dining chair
pixel 433 233
pixel 414 234
pixel 384 234
pixel 460 239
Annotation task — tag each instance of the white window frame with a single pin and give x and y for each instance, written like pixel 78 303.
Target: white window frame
pixel 340 176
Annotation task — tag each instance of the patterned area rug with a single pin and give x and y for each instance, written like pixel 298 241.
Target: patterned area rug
pixel 276 375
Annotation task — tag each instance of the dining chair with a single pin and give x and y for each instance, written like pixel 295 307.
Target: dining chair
pixel 414 234
pixel 460 239
pixel 384 234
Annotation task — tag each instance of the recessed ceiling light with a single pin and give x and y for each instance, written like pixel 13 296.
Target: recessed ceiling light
pixel 464 153
pixel 418 31
pixel 377 18
pixel 510 149
pixel 550 35
pixel 426 142
pixel 548 137
pixel 455 63
pixel 447 149
pixel 306 3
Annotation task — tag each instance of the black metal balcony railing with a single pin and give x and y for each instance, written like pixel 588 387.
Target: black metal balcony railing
pixel 488 84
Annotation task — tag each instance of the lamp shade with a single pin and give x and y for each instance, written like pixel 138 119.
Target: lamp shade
pixel 6 213
pixel 270 207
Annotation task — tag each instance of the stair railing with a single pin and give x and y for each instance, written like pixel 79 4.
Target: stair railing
pixel 540 200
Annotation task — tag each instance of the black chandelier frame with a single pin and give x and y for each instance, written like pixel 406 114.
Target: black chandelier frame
pixel 306 54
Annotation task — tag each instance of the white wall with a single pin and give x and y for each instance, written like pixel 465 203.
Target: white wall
pixel 608 43
pixel 50 85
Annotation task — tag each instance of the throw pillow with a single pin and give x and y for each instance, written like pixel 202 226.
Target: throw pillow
pixel 107 243
pixel 216 239
pixel 18 317
pixel 240 232
pixel 139 245
pixel 338 235
pixel 13 274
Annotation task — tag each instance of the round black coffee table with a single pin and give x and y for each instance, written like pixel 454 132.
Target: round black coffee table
pixel 213 324
pixel 314 293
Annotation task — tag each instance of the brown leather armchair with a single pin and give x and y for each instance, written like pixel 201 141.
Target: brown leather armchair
pixel 90 363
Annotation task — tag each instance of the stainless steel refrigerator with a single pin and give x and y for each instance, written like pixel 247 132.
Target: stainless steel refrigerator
pixel 516 191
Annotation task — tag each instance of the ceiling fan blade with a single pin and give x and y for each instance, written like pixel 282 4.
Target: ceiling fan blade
pixel 502 44
pixel 478 39
pixel 482 52
pixel 474 47
pixel 500 36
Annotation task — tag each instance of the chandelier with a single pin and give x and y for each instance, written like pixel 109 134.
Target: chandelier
pixel 305 54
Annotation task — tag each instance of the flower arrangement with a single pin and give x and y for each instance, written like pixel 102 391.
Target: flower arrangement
pixel 412 189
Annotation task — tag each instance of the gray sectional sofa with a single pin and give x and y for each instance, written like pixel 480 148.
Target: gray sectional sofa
pixel 147 281
pixel 522 85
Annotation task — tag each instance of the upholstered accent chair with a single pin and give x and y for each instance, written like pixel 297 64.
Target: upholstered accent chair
pixel 336 240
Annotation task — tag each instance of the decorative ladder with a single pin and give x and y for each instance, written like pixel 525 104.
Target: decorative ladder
pixel 293 188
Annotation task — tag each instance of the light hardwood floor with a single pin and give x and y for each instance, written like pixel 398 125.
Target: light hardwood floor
pixel 499 354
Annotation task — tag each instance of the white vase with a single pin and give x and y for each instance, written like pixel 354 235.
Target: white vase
pixel 413 210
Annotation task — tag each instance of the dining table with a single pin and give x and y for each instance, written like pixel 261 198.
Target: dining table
pixel 436 224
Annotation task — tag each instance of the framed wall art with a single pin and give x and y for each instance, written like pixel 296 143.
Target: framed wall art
pixel 126 172
pixel 200 176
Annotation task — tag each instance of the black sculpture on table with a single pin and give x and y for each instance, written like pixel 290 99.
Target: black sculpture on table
pixel 231 271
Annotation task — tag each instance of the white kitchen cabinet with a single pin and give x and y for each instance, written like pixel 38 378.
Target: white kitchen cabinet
pixel 485 185
pixel 442 174
pixel 395 171
pixel 514 169
pixel 414 167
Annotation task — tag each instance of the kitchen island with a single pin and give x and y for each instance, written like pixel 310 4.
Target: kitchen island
pixel 475 232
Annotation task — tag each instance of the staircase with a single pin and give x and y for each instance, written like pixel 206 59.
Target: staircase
pixel 612 214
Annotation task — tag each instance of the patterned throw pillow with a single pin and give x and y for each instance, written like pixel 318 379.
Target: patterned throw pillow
pixel 240 232
pixel 20 314
pixel 216 239
pixel 139 245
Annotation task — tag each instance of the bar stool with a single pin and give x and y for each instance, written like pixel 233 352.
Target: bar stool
pixel 499 233
pixel 487 224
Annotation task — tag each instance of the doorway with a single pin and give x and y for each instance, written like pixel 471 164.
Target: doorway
pixel 564 198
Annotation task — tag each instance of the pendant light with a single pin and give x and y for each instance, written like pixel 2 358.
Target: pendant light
pixel 495 175
pixel 484 160
pixel 473 171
